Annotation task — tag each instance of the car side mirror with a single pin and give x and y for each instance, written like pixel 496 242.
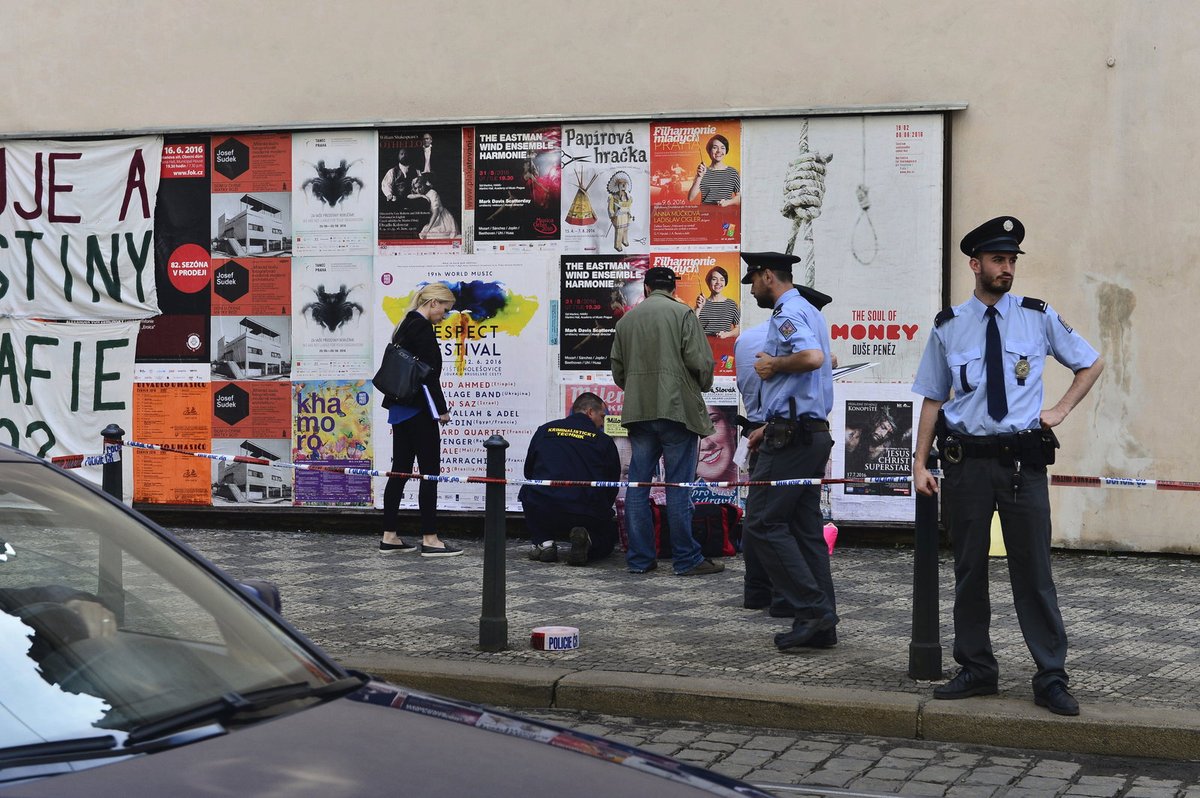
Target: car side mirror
pixel 264 591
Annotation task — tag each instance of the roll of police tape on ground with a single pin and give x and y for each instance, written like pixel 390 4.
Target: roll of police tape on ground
pixel 554 638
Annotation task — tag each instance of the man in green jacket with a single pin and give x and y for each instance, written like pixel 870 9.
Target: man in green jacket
pixel 662 361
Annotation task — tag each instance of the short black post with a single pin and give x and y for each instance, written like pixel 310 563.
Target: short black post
pixel 493 624
pixel 111 588
pixel 925 649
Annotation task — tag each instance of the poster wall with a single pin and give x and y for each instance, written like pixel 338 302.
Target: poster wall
pixel 264 271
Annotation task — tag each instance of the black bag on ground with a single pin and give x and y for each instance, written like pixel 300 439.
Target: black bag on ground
pixel 400 375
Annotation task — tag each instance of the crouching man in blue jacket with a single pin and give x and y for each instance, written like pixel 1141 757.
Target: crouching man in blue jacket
pixel 574 448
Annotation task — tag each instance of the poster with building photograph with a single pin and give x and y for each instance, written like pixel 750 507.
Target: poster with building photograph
pixel 332 428
pixel 252 225
pixel 596 291
pixel 333 192
pixel 517 188
pixel 420 189
pixel 606 188
pixel 695 185
pixel 495 361
pixel 331 337
pixel 251 347
pixel 254 479
pixel 863 210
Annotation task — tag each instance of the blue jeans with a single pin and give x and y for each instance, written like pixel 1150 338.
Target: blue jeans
pixel 679 448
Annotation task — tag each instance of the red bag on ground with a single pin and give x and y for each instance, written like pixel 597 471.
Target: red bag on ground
pixel 716 527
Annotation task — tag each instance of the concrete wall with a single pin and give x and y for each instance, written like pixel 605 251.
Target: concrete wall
pixel 1080 118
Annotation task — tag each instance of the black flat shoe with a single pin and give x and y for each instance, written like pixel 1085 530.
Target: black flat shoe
pixel 964 685
pixel 1057 699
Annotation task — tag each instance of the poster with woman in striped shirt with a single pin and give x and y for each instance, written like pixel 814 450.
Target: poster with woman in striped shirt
pixel 695 185
pixel 708 284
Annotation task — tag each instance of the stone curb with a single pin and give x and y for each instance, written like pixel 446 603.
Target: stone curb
pixel 1105 729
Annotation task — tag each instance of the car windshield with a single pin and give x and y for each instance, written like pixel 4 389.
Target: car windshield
pixel 107 628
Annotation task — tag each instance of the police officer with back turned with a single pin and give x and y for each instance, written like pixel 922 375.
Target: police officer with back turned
pixel 981 376
pixel 783 523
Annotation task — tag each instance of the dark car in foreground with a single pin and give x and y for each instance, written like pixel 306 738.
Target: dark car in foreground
pixel 131 666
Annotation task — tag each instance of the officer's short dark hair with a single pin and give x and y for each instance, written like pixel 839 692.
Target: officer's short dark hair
pixel 588 401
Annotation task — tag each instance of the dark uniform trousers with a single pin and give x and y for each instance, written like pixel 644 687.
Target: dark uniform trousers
pixel 785 529
pixel 970 491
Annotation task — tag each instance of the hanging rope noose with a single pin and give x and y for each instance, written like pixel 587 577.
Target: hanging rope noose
pixel 803 192
pixel 864 222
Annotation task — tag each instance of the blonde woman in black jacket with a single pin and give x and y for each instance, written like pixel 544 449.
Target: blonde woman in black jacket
pixel 416 431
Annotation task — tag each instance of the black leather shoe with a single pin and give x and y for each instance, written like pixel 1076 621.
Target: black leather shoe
pixel 964 685
pixel 802 635
pixel 826 639
pixel 1057 699
pixel 756 603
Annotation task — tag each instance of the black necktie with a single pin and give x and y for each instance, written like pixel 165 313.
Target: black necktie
pixel 993 359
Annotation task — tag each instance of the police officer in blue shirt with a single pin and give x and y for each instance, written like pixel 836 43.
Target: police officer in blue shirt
pixel 784 523
pixel 981 376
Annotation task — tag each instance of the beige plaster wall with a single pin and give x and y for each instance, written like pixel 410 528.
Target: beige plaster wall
pixel 1081 121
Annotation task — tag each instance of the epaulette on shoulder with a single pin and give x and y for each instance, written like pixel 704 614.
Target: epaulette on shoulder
pixel 1034 304
pixel 943 317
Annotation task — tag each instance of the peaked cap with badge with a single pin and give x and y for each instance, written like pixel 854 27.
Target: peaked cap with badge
pixel 1002 234
pixel 776 261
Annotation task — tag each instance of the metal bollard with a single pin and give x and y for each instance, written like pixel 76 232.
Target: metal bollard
pixel 925 649
pixel 111 589
pixel 493 624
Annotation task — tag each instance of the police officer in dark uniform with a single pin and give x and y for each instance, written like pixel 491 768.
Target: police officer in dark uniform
pixel 572 448
pixel 783 524
pixel 981 376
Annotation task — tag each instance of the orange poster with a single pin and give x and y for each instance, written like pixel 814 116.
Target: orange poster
pixel 172 414
pixel 709 285
pixel 258 162
pixel 695 184
pixel 252 287
pixel 248 409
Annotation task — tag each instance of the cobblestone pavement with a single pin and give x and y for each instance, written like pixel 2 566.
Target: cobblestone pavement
pixel 887 766
pixel 1133 621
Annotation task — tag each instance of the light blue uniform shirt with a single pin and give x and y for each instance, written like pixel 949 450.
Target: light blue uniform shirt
pixel 795 326
pixel 749 344
pixel 953 363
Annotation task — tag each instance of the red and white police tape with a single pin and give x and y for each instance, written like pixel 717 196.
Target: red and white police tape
pixel 113 454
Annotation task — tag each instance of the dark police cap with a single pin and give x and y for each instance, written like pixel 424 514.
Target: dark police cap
pixel 660 275
pixel 776 261
pixel 1002 234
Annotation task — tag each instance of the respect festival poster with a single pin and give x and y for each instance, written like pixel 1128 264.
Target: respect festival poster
pixel 333 192
pixel 517 188
pixel 862 207
pixel 606 188
pixel 695 185
pixel 495 361
pixel 332 427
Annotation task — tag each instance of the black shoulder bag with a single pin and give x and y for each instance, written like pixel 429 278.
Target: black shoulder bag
pixel 400 375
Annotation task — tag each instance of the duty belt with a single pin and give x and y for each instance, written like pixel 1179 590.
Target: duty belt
pixel 810 424
pixel 1032 446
